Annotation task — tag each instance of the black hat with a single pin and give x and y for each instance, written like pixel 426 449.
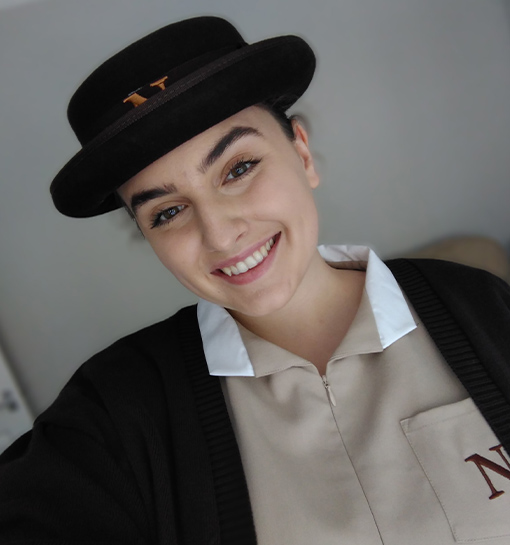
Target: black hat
pixel 160 92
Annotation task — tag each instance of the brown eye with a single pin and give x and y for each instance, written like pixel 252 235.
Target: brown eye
pixel 240 169
pixel 169 213
pixel 166 215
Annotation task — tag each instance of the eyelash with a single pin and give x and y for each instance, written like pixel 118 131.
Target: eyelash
pixel 252 162
pixel 158 221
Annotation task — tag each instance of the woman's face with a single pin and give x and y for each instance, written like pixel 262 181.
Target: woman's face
pixel 231 213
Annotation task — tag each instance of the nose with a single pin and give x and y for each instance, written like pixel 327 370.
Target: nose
pixel 222 225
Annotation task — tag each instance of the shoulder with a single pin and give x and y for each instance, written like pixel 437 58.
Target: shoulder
pixel 162 340
pixel 478 301
pixel 455 281
pixel 95 450
pixel 140 370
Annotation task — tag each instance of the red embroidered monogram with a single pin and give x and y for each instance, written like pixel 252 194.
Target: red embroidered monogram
pixel 136 99
pixel 482 463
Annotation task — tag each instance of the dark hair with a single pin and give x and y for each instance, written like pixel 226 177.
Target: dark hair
pixel 278 109
pixel 121 204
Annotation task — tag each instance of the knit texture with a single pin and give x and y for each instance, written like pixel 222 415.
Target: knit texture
pixel 138 447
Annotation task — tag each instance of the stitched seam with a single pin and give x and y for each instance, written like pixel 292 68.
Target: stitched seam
pixel 164 96
pixel 436 422
pixel 439 498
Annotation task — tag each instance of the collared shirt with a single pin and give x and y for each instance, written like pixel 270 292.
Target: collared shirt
pixel 373 452
pixel 225 351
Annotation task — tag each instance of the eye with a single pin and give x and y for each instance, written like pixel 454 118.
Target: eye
pixel 240 168
pixel 166 216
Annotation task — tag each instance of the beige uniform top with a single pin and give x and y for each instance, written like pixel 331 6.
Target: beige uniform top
pixel 374 452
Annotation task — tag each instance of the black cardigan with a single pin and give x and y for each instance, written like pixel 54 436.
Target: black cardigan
pixel 138 447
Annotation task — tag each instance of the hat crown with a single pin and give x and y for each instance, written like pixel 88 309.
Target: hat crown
pixel 173 51
pixel 164 90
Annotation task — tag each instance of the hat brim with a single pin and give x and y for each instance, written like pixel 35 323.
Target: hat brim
pixel 281 66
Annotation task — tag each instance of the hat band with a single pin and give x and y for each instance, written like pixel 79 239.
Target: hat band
pixel 165 95
pixel 143 93
pixel 140 95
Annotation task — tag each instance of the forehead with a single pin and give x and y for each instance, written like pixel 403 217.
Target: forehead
pixel 195 150
pixel 254 117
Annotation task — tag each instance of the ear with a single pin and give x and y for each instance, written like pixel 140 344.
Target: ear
pixel 303 150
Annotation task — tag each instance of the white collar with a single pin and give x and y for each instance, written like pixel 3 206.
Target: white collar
pixel 225 351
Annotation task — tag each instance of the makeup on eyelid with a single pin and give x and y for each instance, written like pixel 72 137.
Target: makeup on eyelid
pixel 240 163
pixel 230 139
pixel 156 219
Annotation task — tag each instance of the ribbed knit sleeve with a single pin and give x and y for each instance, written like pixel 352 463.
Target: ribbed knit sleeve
pixel 234 509
pixel 137 449
pixel 78 476
pixel 100 464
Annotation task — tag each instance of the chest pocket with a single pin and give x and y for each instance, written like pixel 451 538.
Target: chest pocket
pixel 467 468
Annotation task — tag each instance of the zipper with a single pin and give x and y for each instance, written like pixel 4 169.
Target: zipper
pixel 331 395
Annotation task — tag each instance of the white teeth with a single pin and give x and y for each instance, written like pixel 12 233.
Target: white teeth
pixel 251 261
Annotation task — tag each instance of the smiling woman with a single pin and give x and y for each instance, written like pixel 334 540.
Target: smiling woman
pixel 297 402
pixel 204 207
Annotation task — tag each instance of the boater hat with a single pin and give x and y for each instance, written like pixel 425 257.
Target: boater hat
pixel 163 90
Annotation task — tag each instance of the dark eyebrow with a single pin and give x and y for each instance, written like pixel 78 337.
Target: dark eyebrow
pixel 140 198
pixel 219 148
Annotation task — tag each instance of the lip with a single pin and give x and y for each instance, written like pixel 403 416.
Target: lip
pixel 252 274
pixel 242 256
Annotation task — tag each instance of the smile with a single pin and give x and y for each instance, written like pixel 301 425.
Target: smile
pixel 251 261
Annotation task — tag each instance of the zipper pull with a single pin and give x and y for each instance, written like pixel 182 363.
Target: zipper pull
pixel 327 385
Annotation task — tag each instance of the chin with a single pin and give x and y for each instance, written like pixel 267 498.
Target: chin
pixel 261 304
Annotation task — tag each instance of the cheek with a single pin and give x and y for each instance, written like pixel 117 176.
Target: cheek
pixel 182 257
pixel 174 254
pixel 284 190
pixel 295 200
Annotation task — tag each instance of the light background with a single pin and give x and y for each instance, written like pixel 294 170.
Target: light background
pixel 409 117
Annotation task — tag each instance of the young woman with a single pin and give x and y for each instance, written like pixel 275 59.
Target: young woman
pixel 303 400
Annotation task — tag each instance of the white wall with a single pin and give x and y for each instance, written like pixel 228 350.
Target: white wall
pixel 410 120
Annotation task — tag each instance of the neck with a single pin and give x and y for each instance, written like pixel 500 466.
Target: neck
pixel 317 318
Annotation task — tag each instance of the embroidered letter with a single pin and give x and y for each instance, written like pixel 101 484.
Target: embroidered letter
pixel 135 99
pixel 482 463
pixel 159 83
